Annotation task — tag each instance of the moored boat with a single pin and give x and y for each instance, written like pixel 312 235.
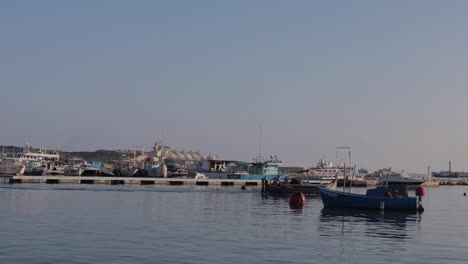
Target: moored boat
pixel 11 167
pixel 389 197
pixel 290 185
pixel 399 179
pixel 88 170
pixel 238 170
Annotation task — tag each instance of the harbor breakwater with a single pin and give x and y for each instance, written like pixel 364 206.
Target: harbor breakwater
pixel 453 181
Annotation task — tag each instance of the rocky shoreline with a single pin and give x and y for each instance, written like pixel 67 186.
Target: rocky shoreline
pixel 453 181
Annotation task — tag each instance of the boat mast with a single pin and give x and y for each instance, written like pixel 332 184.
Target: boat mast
pixel 344 178
pixel 134 156
pixel 162 145
pixel 349 156
pixel 260 145
pixel 429 173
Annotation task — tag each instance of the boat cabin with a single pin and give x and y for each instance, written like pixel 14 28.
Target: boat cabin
pixel 393 191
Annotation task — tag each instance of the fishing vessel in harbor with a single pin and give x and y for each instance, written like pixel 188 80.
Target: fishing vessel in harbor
pixel 391 193
pixel 11 167
pixel 326 170
pixel 29 161
pixel 214 168
pixel 384 197
pixel 259 168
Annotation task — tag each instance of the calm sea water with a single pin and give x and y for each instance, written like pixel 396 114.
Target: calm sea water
pixel 136 224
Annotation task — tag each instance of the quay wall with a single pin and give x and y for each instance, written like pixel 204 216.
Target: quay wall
pixel 60 179
pixel 129 180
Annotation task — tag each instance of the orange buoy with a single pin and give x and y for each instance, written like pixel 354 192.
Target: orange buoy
pixel 420 191
pixel 297 200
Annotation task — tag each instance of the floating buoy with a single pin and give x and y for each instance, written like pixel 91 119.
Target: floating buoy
pixel 420 191
pixel 243 187
pixel 297 200
pixel 464 194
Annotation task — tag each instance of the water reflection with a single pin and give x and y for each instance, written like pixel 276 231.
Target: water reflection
pixel 388 224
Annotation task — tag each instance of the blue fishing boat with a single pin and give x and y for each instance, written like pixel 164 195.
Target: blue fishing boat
pixel 390 197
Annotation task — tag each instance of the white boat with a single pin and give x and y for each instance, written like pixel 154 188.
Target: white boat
pixel 57 170
pixel 12 167
pixel 88 170
pixel 73 167
pixel 72 170
pixel 38 160
pixel 325 170
pixel 399 179
pixel 37 155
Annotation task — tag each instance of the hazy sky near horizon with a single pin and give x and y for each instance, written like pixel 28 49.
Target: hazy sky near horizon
pixel 388 78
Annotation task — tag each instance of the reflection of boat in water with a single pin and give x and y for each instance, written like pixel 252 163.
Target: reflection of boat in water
pixel 290 185
pixel 387 224
pixel 330 214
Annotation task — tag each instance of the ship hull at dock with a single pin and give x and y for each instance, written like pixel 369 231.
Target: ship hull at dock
pixel 8 169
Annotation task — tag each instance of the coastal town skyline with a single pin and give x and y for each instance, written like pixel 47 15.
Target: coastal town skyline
pixel 385 79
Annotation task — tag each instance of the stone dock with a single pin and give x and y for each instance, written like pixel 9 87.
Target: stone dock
pixel 125 180
pixel 60 179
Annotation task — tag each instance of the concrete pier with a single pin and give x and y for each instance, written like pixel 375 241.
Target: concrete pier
pixel 128 180
pixel 5 179
pixel 60 179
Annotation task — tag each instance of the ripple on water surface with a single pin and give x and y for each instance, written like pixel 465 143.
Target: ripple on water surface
pixel 156 224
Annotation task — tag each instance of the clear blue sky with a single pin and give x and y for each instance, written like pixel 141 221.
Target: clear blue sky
pixel 388 78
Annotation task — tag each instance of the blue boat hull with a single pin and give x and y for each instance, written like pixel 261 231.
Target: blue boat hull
pixel 337 199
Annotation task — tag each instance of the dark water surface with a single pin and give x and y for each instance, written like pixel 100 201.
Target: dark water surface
pixel 136 224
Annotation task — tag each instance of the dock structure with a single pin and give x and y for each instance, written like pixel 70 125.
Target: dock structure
pixel 5 179
pixel 60 179
pixel 127 180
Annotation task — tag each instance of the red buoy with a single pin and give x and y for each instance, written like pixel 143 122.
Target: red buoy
pixel 420 191
pixel 297 200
